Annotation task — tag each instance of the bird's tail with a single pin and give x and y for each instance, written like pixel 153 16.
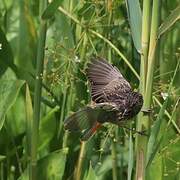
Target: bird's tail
pixel 90 132
pixel 84 120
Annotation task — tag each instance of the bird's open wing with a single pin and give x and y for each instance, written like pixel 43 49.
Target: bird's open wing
pixel 105 80
pixel 90 118
pixel 86 117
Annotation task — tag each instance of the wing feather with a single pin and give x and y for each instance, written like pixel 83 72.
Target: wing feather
pixel 105 80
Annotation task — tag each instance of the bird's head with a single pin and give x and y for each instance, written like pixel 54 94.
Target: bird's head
pixel 136 102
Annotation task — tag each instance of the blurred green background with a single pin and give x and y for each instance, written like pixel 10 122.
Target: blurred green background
pixel 44 51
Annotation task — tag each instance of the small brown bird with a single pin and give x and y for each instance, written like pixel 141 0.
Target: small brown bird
pixel 114 100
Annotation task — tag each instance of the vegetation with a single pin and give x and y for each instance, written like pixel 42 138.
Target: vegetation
pixel 44 51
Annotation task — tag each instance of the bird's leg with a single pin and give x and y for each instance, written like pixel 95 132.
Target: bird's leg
pixel 139 132
pixel 146 111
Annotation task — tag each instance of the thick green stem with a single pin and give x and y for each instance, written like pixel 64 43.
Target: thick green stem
pixel 151 54
pixel 147 70
pixel 37 95
pixel 144 44
pixel 143 70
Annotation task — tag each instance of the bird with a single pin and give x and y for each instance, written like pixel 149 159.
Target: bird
pixel 113 100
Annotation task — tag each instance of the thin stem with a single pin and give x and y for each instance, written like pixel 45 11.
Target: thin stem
pixel 116 50
pixel 78 172
pixel 63 109
pixel 114 159
pixel 80 161
pixel 101 37
pixel 62 112
pixel 130 157
pixel 168 115
pixel 37 94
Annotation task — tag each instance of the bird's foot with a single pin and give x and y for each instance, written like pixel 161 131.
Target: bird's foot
pixel 146 110
pixel 143 133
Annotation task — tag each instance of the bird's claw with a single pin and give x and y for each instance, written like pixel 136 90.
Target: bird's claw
pixel 146 110
pixel 142 132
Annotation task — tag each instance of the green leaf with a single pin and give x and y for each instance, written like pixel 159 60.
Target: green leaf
pixel 52 166
pixel 16 116
pixel 154 149
pixel 156 170
pixel 91 174
pixel 6 55
pixel 135 21
pixel 155 130
pixel 51 9
pixel 47 128
pixel 27 36
pixel 9 90
pixel 169 21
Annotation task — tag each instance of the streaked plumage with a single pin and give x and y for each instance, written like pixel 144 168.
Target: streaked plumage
pixel 114 100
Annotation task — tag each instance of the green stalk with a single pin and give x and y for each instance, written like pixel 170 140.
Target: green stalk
pixel 130 157
pixel 144 43
pixel 151 54
pixel 146 89
pixel 65 98
pixel 114 159
pixel 63 110
pixel 78 171
pixel 37 94
pixel 70 101
pixel 143 70
pixel 109 7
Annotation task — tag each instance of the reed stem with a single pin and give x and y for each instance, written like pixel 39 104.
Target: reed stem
pixel 78 171
pixel 146 83
pixel 37 93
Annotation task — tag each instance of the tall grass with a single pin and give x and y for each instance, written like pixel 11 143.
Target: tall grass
pixel 48 45
pixel 37 92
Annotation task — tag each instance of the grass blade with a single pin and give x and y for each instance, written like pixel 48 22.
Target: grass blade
pixel 51 9
pixel 156 128
pixel 169 21
pixel 155 131
pixel 9 90
pixel 135 21
pixel 29 119
pixel 130 158
pixel 91 174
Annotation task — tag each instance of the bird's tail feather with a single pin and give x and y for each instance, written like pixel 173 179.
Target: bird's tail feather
pixel 85 119
pixel 81 120
pixel 90 132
